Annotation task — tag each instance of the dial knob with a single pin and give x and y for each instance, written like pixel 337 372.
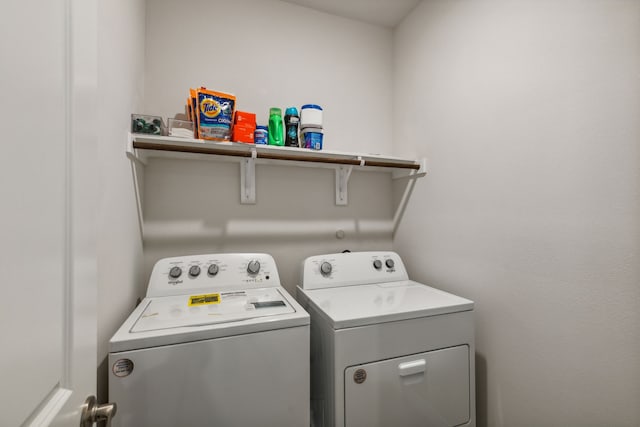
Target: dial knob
pixel 325 268
pixel 377 264
pixel 213 269
pixel 389 263
pixel 194 271
pixel 175 272
pixel 253 267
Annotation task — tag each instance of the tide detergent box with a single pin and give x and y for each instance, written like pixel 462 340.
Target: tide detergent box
pixel 215 114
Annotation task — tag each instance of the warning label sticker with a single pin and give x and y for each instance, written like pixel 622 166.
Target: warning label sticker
pixel 195 300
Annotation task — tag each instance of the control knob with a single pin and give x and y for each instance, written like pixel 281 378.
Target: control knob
pixel 175 272
pixel 253 267
pixel 194 271
pixel 390 263
pixel 213 269
pixel 325 268
pixel 377 264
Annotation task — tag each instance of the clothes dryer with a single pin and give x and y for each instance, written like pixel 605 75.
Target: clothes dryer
pixel 385 350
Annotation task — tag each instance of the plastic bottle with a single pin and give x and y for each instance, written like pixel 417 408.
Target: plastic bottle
pixel 291 120
pixel 276 136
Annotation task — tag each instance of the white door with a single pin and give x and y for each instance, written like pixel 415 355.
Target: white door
pixel 48 185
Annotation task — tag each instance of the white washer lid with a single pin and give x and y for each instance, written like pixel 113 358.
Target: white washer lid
pixel 351 306
pixel 209 309
pixel 160 321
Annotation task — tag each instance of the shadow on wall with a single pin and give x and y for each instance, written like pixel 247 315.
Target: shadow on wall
pixel 102 386
pixel 193 206
pixel 200 200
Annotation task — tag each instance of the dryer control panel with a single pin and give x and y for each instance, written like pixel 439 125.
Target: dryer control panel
pixel 352 268
pixel 212 272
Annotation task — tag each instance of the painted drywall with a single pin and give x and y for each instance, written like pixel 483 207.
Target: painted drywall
pixel 529 113
pixel 121 75
pixel 268 53
pixel 295 215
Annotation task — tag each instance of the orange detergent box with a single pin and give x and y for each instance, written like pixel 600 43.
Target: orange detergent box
pixel 214 114
pixel 244 118
pixel 244 126
pixel 243 134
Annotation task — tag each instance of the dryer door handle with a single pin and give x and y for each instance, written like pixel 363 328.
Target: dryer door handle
pixel 412 368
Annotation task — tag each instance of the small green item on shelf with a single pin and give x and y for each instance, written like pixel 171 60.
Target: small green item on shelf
pixel 276 133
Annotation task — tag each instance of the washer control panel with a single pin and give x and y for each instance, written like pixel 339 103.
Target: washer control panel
pixel 352 268
pixel 212 273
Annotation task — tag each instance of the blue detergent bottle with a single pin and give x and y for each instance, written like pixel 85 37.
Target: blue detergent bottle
pixel 291 121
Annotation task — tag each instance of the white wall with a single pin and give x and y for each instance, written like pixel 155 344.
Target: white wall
pixel 529 112
pixel 121 75
pixel 295 218
pixel 270 53
pixel 255 49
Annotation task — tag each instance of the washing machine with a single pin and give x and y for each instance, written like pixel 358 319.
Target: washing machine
pixel 385 350
pixel 217 341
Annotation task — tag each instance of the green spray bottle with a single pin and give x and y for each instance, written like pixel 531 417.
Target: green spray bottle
pixel 276 133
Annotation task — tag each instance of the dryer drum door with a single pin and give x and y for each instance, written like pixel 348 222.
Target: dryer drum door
pixel 426 389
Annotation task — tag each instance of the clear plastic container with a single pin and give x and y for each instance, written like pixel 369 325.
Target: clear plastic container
pixel 180 128
pixel 150 125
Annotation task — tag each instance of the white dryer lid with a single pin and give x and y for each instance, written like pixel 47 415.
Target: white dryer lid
pixel 351 306
pixel 209 309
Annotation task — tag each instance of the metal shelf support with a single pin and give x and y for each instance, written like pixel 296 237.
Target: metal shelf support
pixel 343 173
pixel 248 179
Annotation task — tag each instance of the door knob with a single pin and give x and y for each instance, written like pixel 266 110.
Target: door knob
pixel 92 412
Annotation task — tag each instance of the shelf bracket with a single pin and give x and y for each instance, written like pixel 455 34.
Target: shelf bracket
pixel 132 153
pixel 424 169
pixel 248 179
pixel 342 182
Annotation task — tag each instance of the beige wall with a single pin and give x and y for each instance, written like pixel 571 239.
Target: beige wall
pixel 529 113
pixel 120 78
